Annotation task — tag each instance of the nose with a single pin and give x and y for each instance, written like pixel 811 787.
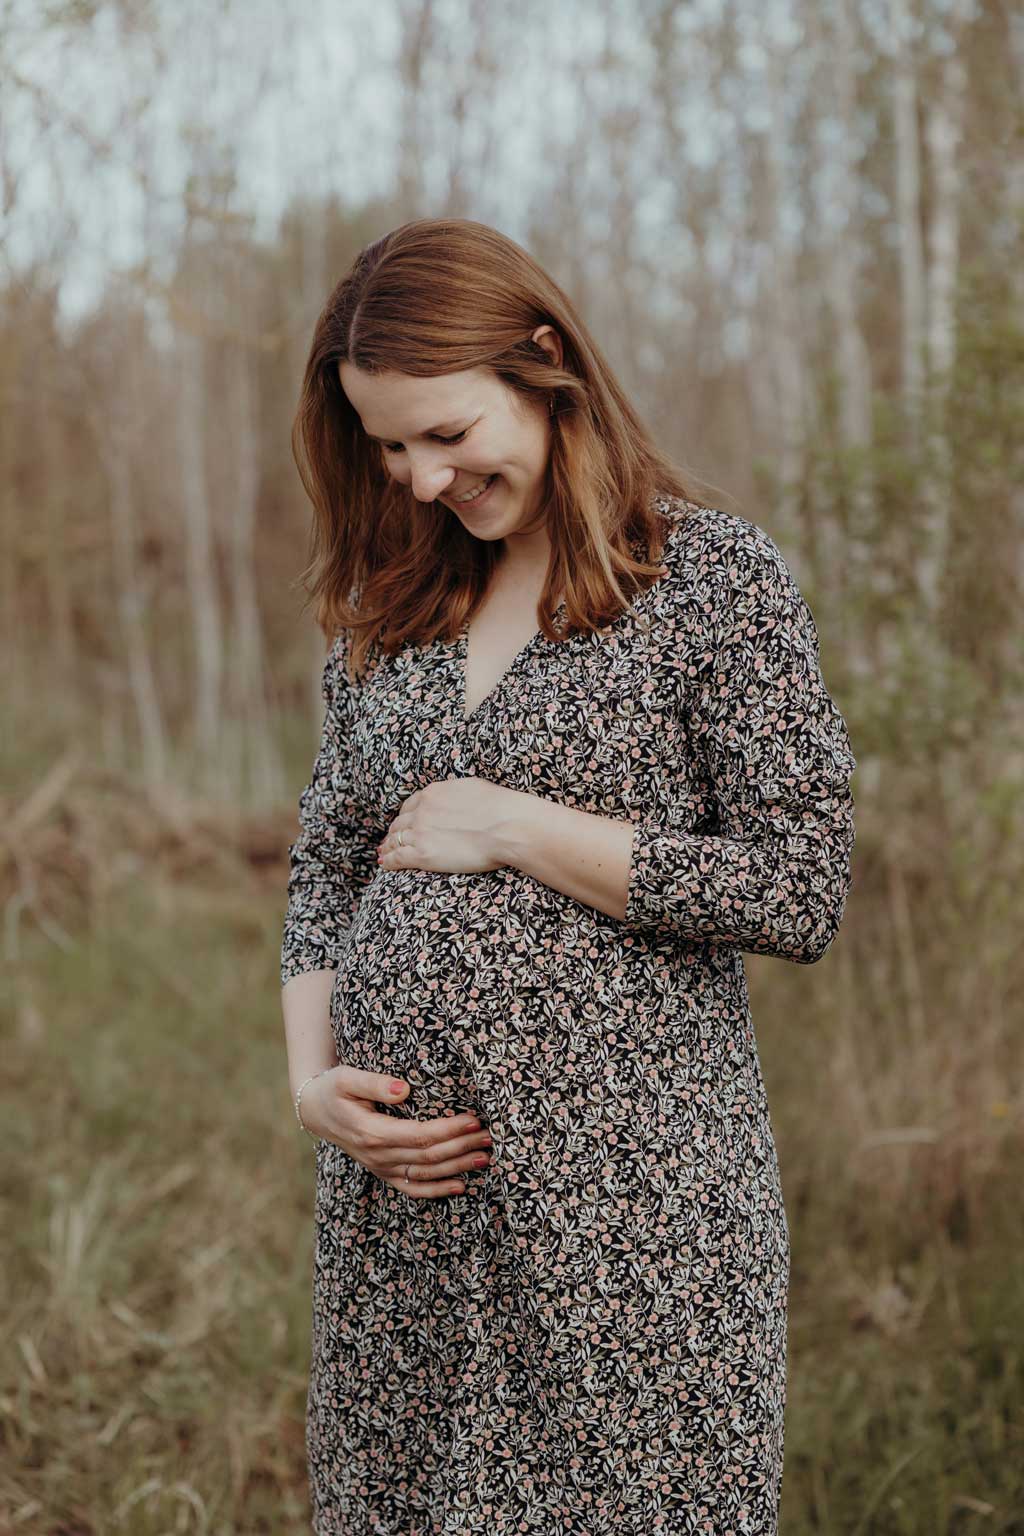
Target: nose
pixel 429 476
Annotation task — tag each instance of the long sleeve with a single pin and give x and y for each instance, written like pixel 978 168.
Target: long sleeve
pixel 775 750
pixel 334 855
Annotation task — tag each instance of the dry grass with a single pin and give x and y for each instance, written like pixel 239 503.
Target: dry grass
pixel 157 1197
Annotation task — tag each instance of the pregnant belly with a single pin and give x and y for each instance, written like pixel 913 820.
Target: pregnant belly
pixel 427 968
pixel 483 990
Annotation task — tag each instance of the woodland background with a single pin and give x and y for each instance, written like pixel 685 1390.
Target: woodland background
pixel 794 227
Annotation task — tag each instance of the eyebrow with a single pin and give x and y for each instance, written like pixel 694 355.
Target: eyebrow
pixel 446 427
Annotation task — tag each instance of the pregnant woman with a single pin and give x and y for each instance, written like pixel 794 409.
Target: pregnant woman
pixel 577 757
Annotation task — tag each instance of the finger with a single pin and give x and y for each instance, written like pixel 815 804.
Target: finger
pixel 392 852
pixel 451 1167
pixel 401 824
pixel 378 1087
pixel 386 1132
pixel 439 1157
pixel 427 1189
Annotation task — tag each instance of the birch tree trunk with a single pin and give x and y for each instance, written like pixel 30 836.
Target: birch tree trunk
pixel 944 133
pixel 416 20
pixel 1014 170
pixel 1014 213
pixel 117 436
pixel 313 290
pixel 200 571
pixel 623 121
pixel 784 318
pixel 908 213
pixel 59 514
pixel 9 520
pixel 846 553
pixel 258 763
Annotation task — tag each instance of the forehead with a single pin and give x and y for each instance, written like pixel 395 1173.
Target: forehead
pixel 402 404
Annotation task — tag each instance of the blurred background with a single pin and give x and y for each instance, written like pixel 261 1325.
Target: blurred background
pixel 794 227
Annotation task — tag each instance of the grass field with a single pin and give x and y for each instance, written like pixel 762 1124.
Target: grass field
pixel 157 1206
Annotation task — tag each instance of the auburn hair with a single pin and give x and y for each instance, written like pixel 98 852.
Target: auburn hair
pixel 437 296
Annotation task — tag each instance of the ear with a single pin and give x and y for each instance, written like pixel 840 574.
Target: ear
pixel 547 337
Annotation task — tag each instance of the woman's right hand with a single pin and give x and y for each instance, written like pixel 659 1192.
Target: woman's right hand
pixel 339 1106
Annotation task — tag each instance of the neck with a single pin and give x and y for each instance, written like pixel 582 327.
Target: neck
pixel 525 557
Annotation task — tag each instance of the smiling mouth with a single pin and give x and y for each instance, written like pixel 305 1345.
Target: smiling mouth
pixel 479 495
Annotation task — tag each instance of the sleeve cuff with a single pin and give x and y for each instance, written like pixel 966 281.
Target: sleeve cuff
pixel 644 909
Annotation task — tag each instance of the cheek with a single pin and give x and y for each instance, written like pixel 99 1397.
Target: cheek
pixel 486 452
pixel 513 454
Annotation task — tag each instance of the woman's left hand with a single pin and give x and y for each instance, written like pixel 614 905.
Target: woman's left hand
pixel 450 826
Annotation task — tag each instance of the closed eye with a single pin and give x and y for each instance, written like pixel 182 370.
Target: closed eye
pixel 397 447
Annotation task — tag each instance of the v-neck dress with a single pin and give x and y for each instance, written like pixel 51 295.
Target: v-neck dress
pixel 591 1340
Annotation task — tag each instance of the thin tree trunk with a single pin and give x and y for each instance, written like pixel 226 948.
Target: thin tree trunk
pixel 312 296
pixel 846 569
pixel 944 133
pixel 60 506
pixel 9 616
pixel 116 439
pixel 908 213
pixel 266 780
pixel 1013 210
pixel 201 575
pixel 416 19
pixel 784 318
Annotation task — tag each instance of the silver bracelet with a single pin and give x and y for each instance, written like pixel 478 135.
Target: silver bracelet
pixel 298 1096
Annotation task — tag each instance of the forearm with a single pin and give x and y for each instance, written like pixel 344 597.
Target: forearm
pixel 774 899
pixel 586 857
pixel 305 1004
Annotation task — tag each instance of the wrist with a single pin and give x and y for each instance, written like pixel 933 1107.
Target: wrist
pixel 515 833
pixel 304 1102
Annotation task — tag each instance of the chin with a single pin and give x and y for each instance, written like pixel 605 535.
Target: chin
pixel 485 531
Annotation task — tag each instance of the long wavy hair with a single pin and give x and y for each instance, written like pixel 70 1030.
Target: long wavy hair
pixel 437 296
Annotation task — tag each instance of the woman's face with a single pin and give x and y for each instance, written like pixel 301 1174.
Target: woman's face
pixel 444 436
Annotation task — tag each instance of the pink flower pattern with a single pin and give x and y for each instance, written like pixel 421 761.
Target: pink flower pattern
pixel 591 1340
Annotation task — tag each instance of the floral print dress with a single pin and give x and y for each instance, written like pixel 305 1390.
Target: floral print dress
pixel 591 1340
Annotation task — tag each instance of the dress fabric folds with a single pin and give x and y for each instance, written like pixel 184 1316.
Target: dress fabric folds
pixel 591 1340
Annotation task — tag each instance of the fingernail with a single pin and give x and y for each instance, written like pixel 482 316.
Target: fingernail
pixel 480 1162
pixel 395 1087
